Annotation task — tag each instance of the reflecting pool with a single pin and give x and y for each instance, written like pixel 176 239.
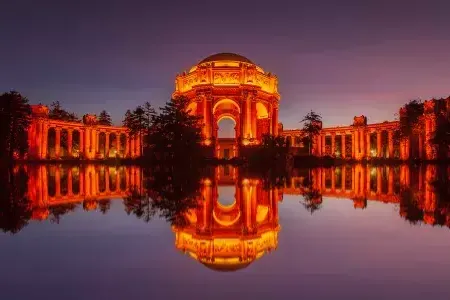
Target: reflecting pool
pixel 102 232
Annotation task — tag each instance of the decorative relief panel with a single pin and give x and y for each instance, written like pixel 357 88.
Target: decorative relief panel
pixel 226 78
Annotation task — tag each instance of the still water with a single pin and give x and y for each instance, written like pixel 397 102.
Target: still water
pixel 97 232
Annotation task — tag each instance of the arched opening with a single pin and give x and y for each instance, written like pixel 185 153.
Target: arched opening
pixel 51 141
pixel 227 128
pixel 261 111
pixel 102 179
pixel 76 137
pixel 262 120
pixel 112 145
pixel 226 195
pixel 102 144
pixel 123 144
pixel 226 134
pixel 64 149
pixel 75 180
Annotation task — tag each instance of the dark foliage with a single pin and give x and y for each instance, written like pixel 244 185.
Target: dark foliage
pixel 104 118
pixel 15 207
pixel 15 114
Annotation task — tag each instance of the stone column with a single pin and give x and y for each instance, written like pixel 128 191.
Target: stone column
pixel 127 145
pixel 58 141
pixel 333 179
pixel 356 133
pixel 57 182
pixel 107 144
pixel 343 145
pixel 69 182
pixel 379 147
pixel 368 145
pixel 362 144
pixel 44 141
pixel 87 143
pixel 94 142
pixel 97 141
pixel 207 109
pixel 324 148
pixel 333 144
pixel 69 141
pixel 378 180
pixel 391 181
pixel 275 120
pixel 118 145
pixel 253 119
pixel 107 180
pixel 353 144
pixel 391 143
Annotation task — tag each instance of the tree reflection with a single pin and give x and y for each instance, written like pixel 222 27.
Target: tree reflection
pixel 15 207
pixel 169 191
pixel 57 211
pixel 410 205
pixel 312 197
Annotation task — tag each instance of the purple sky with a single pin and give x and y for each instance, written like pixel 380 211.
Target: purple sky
pixel 339 58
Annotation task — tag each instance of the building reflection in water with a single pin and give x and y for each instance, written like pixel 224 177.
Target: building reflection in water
pixel 229 236
pixel 59 189
pixel 236 219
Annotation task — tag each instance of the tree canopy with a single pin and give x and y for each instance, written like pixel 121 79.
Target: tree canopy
pixel 175 134
pixel 15 118
pixel 312 124
pixel 104 118
pixel 58 113
pixel 410 121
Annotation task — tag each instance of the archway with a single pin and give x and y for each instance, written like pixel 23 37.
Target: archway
pixel 226 133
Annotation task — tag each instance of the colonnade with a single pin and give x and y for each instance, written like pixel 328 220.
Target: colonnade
pixel 360 139
pixel 81 183
pixel 88 134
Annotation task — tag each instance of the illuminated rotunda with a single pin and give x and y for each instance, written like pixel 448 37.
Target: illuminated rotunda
pixel 228 85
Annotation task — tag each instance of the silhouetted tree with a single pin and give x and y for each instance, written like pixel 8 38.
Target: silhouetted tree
pixel 410 122
pixel 441 136
pixel 139 122
pixel 58 113
pixel 15 114
pixel 104 118
pixel 15 207
pixel 312 124
pixel 175 135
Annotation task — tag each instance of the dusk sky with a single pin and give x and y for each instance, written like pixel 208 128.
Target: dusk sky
pixel 339 58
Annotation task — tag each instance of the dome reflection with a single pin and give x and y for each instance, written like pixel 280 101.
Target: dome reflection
pixel 230 237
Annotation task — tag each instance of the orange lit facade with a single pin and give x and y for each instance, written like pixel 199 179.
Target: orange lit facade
pixel 52 185
pixel 228 85
pixel 364 141
pixel 228 237
pixel 386 184
pixel 82 139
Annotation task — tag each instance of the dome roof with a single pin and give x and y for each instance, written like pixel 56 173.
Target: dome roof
pixel 227 267
pixel 226 56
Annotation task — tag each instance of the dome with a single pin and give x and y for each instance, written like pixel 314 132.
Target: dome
pixel 226 57
pixel 227 267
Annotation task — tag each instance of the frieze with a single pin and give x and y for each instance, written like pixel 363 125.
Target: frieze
pixel 226 78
